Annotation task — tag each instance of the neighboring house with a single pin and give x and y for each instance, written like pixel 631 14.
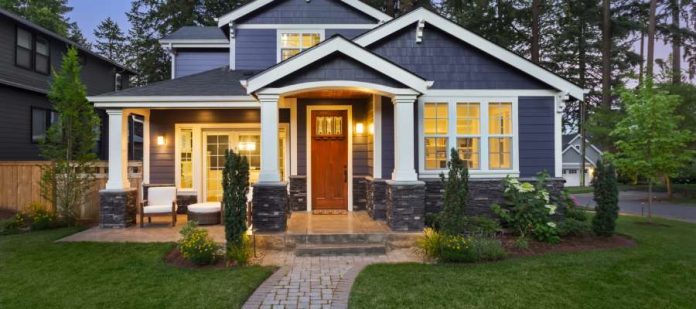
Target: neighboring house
pixel 28 56
pixel 338 107
pixel 572 152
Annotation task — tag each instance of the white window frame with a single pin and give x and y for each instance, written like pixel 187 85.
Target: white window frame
pixel 280 32
pixel 484 170
pixel 474 136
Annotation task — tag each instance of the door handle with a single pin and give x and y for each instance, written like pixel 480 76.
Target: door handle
pixel 345 174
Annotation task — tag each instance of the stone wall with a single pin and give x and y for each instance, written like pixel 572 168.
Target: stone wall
pixel 406 205
pixel 118 209
pixel 298 193
pixel 359 192
pixel 270 207
pixel 376 198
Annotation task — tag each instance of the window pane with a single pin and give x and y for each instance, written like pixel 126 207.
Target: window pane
pixel 23 57
pixel 435 118
pixel 41 46
pixel 38 124
pixel 186 176
pixel 290 40
pixel 287 53
pixel 435 153
pixel 310 39
pixel 499 154
pixel 468 149
pixel 500 118
pixel 468 121
pixel 23 38
pixel 42 64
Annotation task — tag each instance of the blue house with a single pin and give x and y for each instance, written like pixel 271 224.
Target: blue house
pixel 338 108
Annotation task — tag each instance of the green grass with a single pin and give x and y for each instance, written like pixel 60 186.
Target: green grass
pixel 35 272
pixel 659 273
pixel 576 190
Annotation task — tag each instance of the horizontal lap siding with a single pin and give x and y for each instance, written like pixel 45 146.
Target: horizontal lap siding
pixel 255 48
pixel 191 62
pixel 307 12
pixel 536 117
pixel 15 128
pixel 387 138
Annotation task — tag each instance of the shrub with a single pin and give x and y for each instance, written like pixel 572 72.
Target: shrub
pixel 241 252
pixel 430 243
pixel 451 219
pixel 527 209
pixel 41 219
pixel 460 249
pixel 235 185
pixel 576 221
pixel 11 225
pixel 606 195
pixel 196 246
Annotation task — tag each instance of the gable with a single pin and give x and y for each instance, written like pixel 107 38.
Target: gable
pixel 450 62
pixel 304 12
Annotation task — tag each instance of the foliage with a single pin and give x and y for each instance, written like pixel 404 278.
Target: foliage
pixel 235 185
pixel 111 43
pixel 50 14
pixel 527 209
pixel 459 249
pixel 455 197
pixel 41 218
pixel 606 195
pixel 241 252
pixel 69 142
pixel 196 246
pixel 12 225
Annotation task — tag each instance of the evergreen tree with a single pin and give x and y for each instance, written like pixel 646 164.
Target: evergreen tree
pixel 145 55
pixel 111 43
pixel 235 185
pixel 70 141
pixel 606 195
pixel 50 14
pixel 452 219
pixel 75 35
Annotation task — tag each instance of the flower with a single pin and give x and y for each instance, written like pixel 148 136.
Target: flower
pixel 526 187
pixel 551 208
pixel 551 224
pixel 545 196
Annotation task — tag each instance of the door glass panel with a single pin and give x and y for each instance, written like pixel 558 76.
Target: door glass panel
pixel 215 162
pixel 186 176
pixel 249 146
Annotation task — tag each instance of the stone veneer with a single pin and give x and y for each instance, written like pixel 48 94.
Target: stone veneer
pixel 298 193
pixel 359 192
pixel 118 209
pixel 376 198
pixel 270 207
pixel 406 205
pixel 183 200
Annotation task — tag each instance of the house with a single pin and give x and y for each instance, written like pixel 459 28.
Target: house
pixel 338 108
pixel 29 55
pixel 571 159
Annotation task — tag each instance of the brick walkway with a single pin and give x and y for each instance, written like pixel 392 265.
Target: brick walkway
pixel 315 282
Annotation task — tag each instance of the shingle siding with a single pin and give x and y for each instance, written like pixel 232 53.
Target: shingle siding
pixel 536 117
pixel 255 49
pixel 347 33
pixel 195 61
pixel 307 12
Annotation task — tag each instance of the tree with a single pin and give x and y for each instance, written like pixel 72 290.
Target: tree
pixel 606 195
pixel 652 21
pixel 50 14
pixel 235 185
pixel 452 219
pixel 650 141
pixel 75 35
pixel 145 55
pixel 70 141
pixel 606 54
pixel 111 43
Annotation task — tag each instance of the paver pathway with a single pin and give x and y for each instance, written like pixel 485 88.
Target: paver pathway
pixel 315 282
pixel 635 203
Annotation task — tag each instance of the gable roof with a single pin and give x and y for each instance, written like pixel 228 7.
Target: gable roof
pixel 196 33
pixel 576 151
pixel 336 44
pixel 431 18
pixel 255 5
pixel 568 140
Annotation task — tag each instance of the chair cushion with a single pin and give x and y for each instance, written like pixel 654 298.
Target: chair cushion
pixel 157 209
pixel 205 208
pixel 161 195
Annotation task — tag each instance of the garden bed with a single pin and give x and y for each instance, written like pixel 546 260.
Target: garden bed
pixel 176 259
pixel 567 244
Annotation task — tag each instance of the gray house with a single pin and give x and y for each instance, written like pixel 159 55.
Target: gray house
pixel 28 56
pixel 338 108
pixel 572 152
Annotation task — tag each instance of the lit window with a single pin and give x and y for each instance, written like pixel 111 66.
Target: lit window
pixel 468 148
pixel 292 43
pixel 186 152
pixel 435 153
pixel 435 126
pixel 499 118
pixel 468 133
pixel 500 132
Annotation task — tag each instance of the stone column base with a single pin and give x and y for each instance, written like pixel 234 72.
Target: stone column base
pixel 298 193
pixel 377 198
pixel 405 205
pixel 270 207
pixel 118 208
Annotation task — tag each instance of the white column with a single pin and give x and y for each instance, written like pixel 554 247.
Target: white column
pixel 118 150
pixel 404 139
pixel 269 139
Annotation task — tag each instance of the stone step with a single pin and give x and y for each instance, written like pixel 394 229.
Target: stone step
pixel 361 238
pixel 339 249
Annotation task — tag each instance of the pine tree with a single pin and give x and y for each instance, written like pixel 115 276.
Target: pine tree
pixel 50 14
pixel 111 43
pixel 75 35
pixel 606 195
pixel 452 218
pixel 235 185
pixel 145 55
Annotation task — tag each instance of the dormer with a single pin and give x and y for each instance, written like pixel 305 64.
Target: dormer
pixel 196 49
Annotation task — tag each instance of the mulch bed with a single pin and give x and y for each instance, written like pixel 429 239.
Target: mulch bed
pixel 567 244
pixel 174 258
pixel 6 213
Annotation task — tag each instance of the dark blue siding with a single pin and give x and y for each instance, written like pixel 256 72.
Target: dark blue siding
pixel 451 63
pixel 387 138
pixel 348 33
pixel 255 49
pixel 536 116
pixel 192 62
pixel 337 67
pixel 307 12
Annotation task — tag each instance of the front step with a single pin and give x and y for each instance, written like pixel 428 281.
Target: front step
pixel 340 249
pixel 325 239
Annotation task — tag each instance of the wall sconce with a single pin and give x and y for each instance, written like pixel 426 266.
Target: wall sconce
pixel 160 140
pixel 359 128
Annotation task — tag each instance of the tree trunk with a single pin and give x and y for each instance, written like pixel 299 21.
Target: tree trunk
pixel 583 112
pixel 676 44
pixel 641 68
pixel 650 194
pixel 651 38
pixel 536 30
pixel 389 10
pixel 606 54
pixel 668 184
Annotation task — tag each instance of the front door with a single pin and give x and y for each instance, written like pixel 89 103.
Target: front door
pixel 329 159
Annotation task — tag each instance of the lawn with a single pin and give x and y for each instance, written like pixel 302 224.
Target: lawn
pixel 576 190
pixel 35 272
pixel 659 273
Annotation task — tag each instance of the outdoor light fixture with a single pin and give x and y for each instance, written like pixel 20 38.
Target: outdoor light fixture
pixel 371 128
pixel 160 140
pixel 359 128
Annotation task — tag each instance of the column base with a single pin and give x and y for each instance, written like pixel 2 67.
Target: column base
pixel 405 205
pixel 118 208
pixel 377 199
pixel 270 207
pixel 298 193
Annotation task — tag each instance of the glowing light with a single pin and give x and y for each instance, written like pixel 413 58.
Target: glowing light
pixel 247 146
pixel 160 140
pixel 359 128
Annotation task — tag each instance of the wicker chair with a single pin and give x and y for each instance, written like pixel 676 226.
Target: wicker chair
pixel 161 202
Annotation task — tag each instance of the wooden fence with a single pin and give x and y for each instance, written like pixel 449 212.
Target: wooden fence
pixel 20 186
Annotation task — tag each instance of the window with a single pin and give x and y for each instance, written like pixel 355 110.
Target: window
pixel 435 125
pixel 24 48
pixel 294 42
pixel 41 120
pixel 41 59
pixel 118 82
pixel 186 158
pixel 500 135
pixel 469 133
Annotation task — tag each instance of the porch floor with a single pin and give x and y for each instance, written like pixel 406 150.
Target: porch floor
pixel 356 222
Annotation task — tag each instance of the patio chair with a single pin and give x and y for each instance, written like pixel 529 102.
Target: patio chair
pixel 161 201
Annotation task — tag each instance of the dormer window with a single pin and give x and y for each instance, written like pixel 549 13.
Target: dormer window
pixel 118 82
pixel 293 42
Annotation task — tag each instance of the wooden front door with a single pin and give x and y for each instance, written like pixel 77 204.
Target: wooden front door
pixel 329 134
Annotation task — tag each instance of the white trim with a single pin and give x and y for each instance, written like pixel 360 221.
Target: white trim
pixel 193 41
pixel 110 99
pixel 307 26
pixel 174 105
pixel 308 150
pixel 232 47
pixel 225 45
pixel 473 39
pixel 253 6
pixel 377 136
pixel 490 92
pixel 580 154
pixel 328 47
pixel 558 135
pixel 484 170
pixel 293 135
pixel 587 142
pixel 339 84
pixel 299 31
